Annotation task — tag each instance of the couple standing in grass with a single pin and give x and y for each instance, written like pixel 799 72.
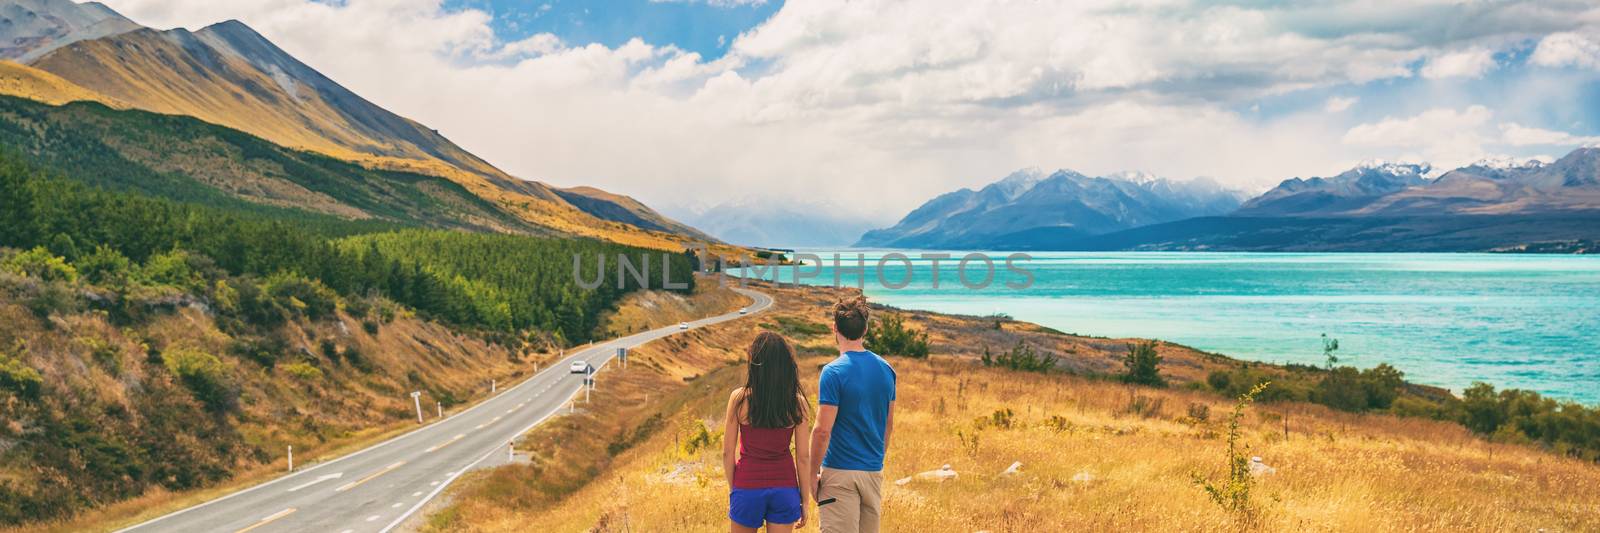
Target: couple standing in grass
pixel 770 485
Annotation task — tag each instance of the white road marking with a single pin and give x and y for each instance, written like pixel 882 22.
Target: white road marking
pixel 396 505
pixel 268 520
pixel 319 479
pixel 446 443
pixel 372 518
pixel 415 494
pixel 356 483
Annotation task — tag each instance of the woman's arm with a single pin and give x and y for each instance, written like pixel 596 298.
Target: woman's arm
pixel 802 453
pixel 730 435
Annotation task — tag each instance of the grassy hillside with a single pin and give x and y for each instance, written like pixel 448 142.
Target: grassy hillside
pixel 1096 453
pixel 155 346
pixel 34 84
pixel 185 159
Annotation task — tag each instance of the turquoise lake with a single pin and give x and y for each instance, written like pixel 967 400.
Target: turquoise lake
pixel 1518 321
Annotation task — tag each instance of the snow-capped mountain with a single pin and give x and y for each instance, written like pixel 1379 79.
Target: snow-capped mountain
pixel 1064 201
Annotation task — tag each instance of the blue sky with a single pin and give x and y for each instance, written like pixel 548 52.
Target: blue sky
pixel 706 28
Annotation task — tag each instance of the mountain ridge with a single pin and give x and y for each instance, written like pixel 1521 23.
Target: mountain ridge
pixel 1066 200
pixel 228 74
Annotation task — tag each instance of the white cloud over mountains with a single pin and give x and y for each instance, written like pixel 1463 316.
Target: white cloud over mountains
pixel 880 105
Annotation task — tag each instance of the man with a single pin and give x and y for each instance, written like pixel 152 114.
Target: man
pixel 853 426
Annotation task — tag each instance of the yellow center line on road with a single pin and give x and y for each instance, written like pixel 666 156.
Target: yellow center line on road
pixel 268 520
pixel 358 482
pixel 446 443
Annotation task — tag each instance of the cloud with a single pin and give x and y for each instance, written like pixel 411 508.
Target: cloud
pixel 1472 63
pixel 1338 104
pixel 1518 135
pixel 1567 49
pixel 876 106
pixel 1445 137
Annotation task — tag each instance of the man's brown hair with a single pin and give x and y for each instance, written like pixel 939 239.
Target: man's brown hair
pixel 850 317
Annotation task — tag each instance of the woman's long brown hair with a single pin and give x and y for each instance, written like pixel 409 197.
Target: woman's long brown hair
pixel 772 384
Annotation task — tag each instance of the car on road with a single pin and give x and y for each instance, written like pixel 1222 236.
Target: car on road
pixel 580 367
pixel 683 325
pixel 743 310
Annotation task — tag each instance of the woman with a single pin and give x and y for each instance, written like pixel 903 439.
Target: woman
pixel 766 416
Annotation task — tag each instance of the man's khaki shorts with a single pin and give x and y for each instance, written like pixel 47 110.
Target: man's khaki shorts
pixel 859 501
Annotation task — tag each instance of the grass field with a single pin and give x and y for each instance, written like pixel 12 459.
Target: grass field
pixel 1095 454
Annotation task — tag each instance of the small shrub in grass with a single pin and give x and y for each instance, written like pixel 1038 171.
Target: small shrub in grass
pixel 303 371
pixel 1003 418
pixel 16 376
pixel 890 336
pixel 204 375
pixel 1021 357
pixel 1232 493
pixel 1142 366
pixel 1199 412
pixel 329 349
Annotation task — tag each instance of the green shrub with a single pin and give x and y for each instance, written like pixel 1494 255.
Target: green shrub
pixel 1143 365
pixel 107 267
pixel 175 268
pixel 40 263
pixel 1021 357
pixel 1348 389
pixel 16 376
pixel 264 351
pixel 890 336
pixel 1233 492
pixel 204 375
pixel 303 371
pixel 302 296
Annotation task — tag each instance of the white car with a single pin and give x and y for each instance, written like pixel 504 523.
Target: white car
pixel 743 310
pixel 580 367
pixel 683 325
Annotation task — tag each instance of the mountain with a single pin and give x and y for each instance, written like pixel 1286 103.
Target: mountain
pixel 230 75
pixel 751 222
pixel 186 159
pixel 1492 205
pixel 34 84
pixel 34 27
pixel 625 209
pixel 1063 203
pixel 1348 191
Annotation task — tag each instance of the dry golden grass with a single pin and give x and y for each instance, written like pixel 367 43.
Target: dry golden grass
pixel 1090 462
pixel 27 82
pixel 322 418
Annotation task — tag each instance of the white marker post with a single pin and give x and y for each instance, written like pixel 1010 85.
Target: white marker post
pixel 291 457
pixel 440 407
pixel 492 387
pixel 511 452
pixel 416 398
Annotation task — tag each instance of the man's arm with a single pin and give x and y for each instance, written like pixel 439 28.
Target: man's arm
pixel 888 429
pixel 819 440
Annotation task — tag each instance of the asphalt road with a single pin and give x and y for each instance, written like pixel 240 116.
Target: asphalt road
pixel 377 488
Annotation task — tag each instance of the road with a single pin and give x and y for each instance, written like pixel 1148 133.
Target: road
pixel 377 488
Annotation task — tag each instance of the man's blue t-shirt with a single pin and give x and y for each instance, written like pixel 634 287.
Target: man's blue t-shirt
pixel 861 385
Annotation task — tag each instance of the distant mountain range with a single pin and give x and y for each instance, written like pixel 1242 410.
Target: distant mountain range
pixel 1498 204
pixel 228 74
pixel 1062 203
pixel 792 224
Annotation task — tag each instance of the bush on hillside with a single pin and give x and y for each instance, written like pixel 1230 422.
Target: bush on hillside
pixel 1143 365
pixel 1348 389
pixel 890 336
pixel 41 264
pixel 204 375
pixel 1020 357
